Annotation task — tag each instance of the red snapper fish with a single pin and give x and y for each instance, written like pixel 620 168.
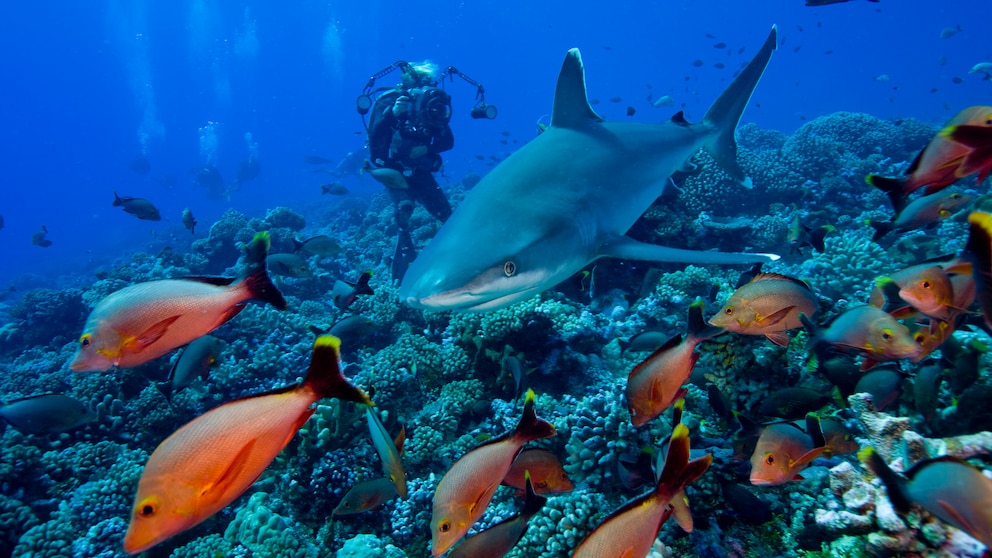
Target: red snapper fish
pixel 942 162
pixel 142 322
pixel 213 459
pixel 656 383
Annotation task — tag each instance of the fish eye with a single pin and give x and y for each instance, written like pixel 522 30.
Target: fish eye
pixel 509 268
pixel 147 507
pixel 887 335
pixel 926 285
pixel 729 310
pixel 920 338
pixel 770 459
pixel 444 526
pixel 85 340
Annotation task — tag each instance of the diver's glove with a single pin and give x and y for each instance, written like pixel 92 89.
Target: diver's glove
pixel 401 107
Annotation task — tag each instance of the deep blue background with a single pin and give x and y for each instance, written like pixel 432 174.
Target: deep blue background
pixel 82 80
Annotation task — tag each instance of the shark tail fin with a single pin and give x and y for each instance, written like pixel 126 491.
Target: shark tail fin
pixel 726 111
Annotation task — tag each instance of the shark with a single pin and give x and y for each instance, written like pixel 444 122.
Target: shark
pixel 569 196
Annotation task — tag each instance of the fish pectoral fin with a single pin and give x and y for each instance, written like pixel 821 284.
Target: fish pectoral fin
pixel 223 482
pixel 139 342
pixel 808 456
pixel 780 338
pixel 964 522
pixel 774 317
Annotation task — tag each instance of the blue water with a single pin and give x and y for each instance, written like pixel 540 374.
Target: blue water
pixel 87 86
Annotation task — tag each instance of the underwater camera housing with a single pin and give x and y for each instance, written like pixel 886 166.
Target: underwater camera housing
pixel 431 106
pixel 434 107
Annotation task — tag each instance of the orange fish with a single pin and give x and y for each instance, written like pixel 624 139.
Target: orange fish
pixel 783 450
pixel 213 459
pixel 466 489
pixel 867 331
pixel 767 305
pixel 366 496
pixel 656 383
pixel 497 540
pixel 979 139
pixel 942 162
pixel 142 322
pixel 630 532
pixel 545 470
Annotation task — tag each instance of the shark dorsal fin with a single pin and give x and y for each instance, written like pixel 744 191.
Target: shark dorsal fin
pixel 571 108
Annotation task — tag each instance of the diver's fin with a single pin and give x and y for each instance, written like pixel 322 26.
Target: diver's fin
pixel 404 255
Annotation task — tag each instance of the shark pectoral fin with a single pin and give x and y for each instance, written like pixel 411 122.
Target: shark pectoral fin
pixel 627 248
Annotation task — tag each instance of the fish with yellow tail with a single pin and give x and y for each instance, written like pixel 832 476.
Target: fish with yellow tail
pixel 466 489
pixel 630 532
pixel 942 162
pixel 866 331
pixel 784 449
pixel 953 490
pixel 768 305
pixel 499 539
pixel 656 383
pixel 213 459
pixel 142 322
pixel 389 450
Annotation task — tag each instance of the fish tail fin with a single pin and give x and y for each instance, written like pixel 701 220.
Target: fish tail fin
pixel 895 485
pixel 726 111
pixel 325 377
pixel 978 250
pixel 882 228
pixel 679 472
pixel 261 287
pixel 814 333
pixel 533 502
pixel 362 287
pixel 117 201
pixel 894 188
pixel 257 281
pixel 531 427
pixel 817 236
pixel 297 245
pixel 697 327
pixel 890 294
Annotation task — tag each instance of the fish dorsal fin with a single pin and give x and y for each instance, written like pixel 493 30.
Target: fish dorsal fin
pixel 679 118
pixel 228 476
pixel 571 107
pixel 779 277
pixel 218 281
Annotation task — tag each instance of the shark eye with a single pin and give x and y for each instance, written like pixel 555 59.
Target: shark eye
pixel 85 340
pixel 509 268
pixel 444 526
pixel 770 459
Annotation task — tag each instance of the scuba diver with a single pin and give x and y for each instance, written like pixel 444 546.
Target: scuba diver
pixel 408 129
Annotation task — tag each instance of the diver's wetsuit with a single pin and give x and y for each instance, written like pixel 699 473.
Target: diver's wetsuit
pixel 390 143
